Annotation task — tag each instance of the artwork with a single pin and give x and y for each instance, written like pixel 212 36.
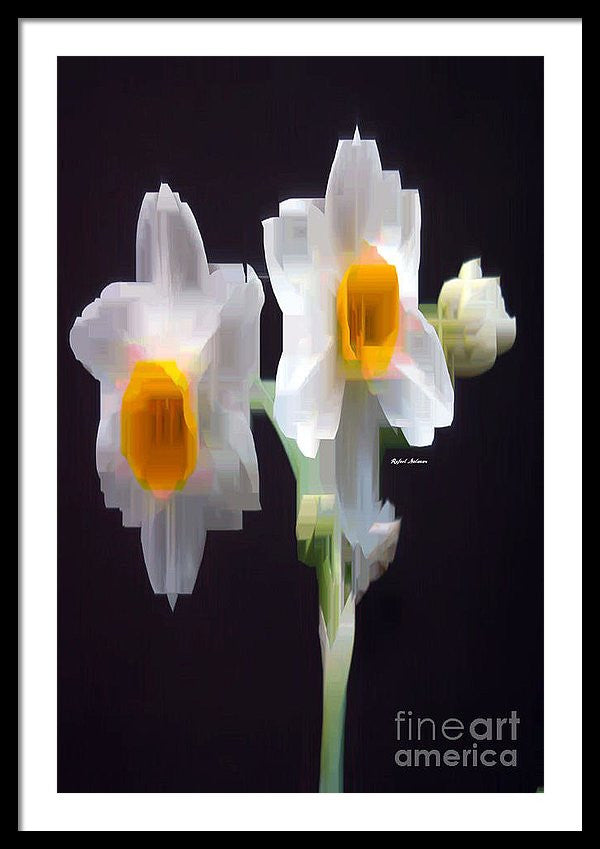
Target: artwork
pixel 367 366
pixel 177 355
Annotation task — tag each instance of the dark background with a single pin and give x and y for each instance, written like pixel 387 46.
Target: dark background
pixel 225 694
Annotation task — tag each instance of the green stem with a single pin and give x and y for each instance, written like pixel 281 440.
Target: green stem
pixel 321 548
pixel 336 669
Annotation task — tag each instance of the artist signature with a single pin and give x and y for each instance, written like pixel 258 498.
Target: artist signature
pixel 409 461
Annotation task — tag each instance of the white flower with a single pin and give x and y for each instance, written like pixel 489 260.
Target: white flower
pixel 344 269
pixel 473 322
pixel 175 353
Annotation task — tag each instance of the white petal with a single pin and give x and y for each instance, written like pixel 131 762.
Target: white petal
pixel 506 333
pixel 101 337
pixel 239 438
pixel 353 197
pixel 399 242
pixel 300 259
pixel 470 270
pixel 108 440
pixel 308 398
pixel 238 347
pixel 371 562
pixel 173 535
pixel 307 297
pixel 289 296
pixel 184 330
pixel 117 482
pixel 357 461
pixel 302 269
pixel 169 248
pixel 417 396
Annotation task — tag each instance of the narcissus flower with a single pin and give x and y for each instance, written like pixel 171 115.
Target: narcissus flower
pixel 359 355
pixel 344 269
pixel 176 353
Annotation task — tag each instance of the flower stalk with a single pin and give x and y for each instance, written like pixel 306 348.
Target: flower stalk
pixel 336 660
pixel 319 535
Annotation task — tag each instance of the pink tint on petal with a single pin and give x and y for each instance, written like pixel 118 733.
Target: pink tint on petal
pixel 369 255
pixel 399 359
pixel 162 494
pixel 412 323
pixel 135 353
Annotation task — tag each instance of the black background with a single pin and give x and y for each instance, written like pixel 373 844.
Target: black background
pixel 225 694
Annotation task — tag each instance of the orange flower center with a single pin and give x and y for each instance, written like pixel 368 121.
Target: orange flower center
pixel 368 311
pixel 159 434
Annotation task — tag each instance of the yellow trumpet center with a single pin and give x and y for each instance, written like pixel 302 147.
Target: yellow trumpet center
pixel 368 311
pixel 159 433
